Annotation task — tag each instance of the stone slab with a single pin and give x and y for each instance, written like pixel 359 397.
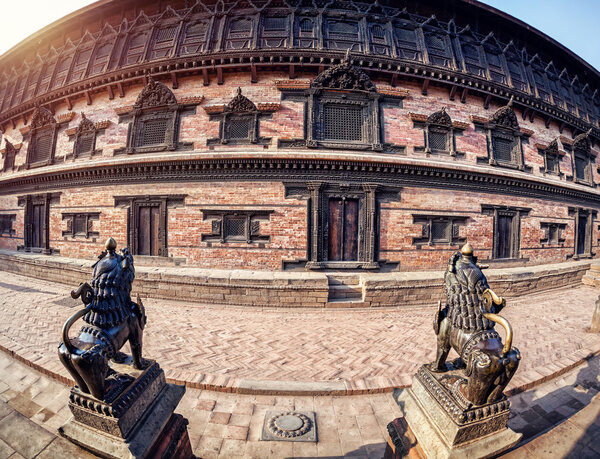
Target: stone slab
pixel 432 440
pixel 139 444
pixel 289 426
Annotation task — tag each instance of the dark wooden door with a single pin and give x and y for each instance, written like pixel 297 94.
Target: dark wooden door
pixel 148 225
pixel 37 225
pixel 505 226
pixel 343 230
pixel 581 234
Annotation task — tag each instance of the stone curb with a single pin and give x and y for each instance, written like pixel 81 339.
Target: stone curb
pixel 221 383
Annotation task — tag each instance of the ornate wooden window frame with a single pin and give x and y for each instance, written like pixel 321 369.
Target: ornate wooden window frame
pixel 84 133
pixel 240 108
pixel 503 125
pixel 439 123
pixel 42 122
pixel 342 84
pixel 516 213
pixel 591 215
pixel 28 201
pixel 552 155
pixel 9 154
pixel 581 149
pixel 251 219
pixel 427 221
pixel 88 219
pixel 550 228
pixel 155 102
pixel 133 204
pixel 6 225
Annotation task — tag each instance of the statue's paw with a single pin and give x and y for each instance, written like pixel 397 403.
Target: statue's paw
pixel 434 367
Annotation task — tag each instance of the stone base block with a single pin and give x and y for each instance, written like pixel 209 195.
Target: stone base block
pixel 135 419
pixel 445 428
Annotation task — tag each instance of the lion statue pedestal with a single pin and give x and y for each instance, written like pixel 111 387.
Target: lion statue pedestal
pixel 122 406
pixel 458 409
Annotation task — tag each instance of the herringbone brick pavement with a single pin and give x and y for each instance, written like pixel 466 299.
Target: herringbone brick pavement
pixel 219 346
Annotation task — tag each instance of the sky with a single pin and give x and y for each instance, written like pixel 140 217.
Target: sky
pixel 571 22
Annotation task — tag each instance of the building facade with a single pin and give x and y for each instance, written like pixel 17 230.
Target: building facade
pixel 294 135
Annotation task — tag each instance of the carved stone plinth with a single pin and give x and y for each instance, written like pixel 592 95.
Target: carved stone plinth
pixel 444 423
pixel 135 419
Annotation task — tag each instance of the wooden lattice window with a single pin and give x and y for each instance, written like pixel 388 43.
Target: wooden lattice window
pixel 380 42
pixel 62 70
pixel 582 159
pixel 239 33
pixel 438 229
pixel 194 37
pixel 343 34
pixel 504 146
pixel 80 224
pixel 539 78
pixel 6 225
pixel 275 31
pixel 305 32
pixel 100 58
pixel 473 58
pixel 80 63
pixel 42 142
pixel 32 83
pixel 504 139
pixel 343 122
pixel 18 92
pixel 438 49
pixel 163 41
pixel 517 74
pixel 10 153
pixel 46 77
pixel 493 56
pixel 85 138
pixel 135 48
pixel 552 158
pixel 236 226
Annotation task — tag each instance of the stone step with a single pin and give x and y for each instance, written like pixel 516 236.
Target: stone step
pixel 343 279
pixel 345 291
pixel 591 280
pixel 341 303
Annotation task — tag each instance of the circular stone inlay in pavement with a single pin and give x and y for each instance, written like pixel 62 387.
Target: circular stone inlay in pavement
pixel 290 426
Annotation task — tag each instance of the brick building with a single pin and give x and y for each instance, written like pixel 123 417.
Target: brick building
pixel 293 135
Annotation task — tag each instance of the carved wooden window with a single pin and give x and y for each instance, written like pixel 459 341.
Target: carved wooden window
pixel 62 70
pixel 135 48
pixel 163 41
pixel 473 57
pixel 194 37
pixel 6 225
pixel 80 225
pixel 9 156
pixel 584 224
pixel 155 120
pixel 42 143
pixel 80 63
pixel 504 145
pixel 32 82
pixel 275 31
pixel 517 74
pixel 100 58
pixel 306 32
pixel 343 34
pixel 46 77
pixel 493 56
pixel 437 229
pixel 85 138
pixel 582 160
pixel 504 139
pixel 239 33
pixel 236 225
pixel 552 159
pixel 507 230
pixel 18 92
pixel 438 48
pixel 379 39
pixel 552 233
pixel 10 87
pixel 539 78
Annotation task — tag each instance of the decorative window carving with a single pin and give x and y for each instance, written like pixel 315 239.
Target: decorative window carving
pixel 135 48
pixel 236 225
pixel 306 32
pixel 553 233
pixel 10 152
pixel 582 159
pixel 439 229
pixel 46 76
pixel 494 59
pixel 194 37
pixel 472 52
pixel 163 41
pixel 62 70
pixel 275 32
pixel 552 157
pixel 514 62
pixel 6 225
pixel 240 32
pixel 584 224
pixel 42 143
pixel 147 222
pixel 155 123
pixel 85 138
pixel 539 79
pixel 343 34
pixel 504 139
pixel 32 82
pixel 18 92
pixel 240 122
pixel 80 63
pixel 379 39
pixel 507 230
pixel 100 58
pixel 80 225
pixel 438 46
pixel 439 132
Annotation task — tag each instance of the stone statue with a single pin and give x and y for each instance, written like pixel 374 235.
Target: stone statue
pixel 466 324
pixel 112 320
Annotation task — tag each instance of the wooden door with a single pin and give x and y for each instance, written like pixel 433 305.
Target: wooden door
pixel 581 234
pixel 148 227
pixel 37 225
pixel 343 230
pixel 505 228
